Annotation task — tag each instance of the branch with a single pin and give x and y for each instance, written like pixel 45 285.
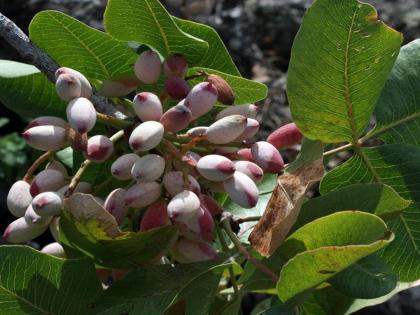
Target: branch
pixel 225 224
pixel 12 34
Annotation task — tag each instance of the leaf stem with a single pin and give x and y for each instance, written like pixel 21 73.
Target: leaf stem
pixel 29 174
pixel 345 147
pixel 259 265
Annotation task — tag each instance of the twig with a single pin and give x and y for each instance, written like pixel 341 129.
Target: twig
pixel 36 164
pixel 12 34
pixel 259 265
pixel 247 219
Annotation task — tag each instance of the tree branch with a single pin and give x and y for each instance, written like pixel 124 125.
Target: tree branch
pixel 12 34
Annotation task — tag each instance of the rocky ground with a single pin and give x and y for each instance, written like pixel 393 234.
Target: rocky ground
pixel 259 35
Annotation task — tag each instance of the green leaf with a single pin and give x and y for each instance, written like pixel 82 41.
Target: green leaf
pixel 340 60
pixel 310 152
pixel 368 278
pixel 359 304
pixel 246 91
pixel 376 198
pixel 90 229
pixel 13 157
pixel 27 92
pixel 398 107
pixel 217 56
pixel 255 280
pixel 328 301
pixel 147 22
pixel 327 246
pixel 35 283
pixel 73 44
pixel 153 289
pixel 398 166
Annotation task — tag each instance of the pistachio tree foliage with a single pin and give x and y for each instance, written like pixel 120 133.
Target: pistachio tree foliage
pixel 161 200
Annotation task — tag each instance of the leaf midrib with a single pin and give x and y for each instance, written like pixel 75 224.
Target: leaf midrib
pixel 347 93
pixel 162 33
pixel 105 70
pixel 25 300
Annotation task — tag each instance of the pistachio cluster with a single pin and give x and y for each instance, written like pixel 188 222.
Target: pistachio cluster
pixel 175 165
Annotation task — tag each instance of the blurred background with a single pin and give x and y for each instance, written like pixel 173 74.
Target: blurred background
pixel 258 34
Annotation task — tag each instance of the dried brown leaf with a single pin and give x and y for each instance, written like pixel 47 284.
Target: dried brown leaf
pixel 283 207
pixel 84 207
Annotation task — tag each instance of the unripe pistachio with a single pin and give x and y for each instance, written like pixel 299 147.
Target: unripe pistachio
pixel 246 154
pixel 285 136
pixel 99 148
pixel 155 216
pixel 46 180
pixel 242 190
pixel 251 129
pixel 55 228
pixel 142 194
pixel 148 67
pixel 32 217
pixel 54 249
pixel 119 87
pixel 81 114
pixel 177 88
pixel 247 110
pixel 267 157
pixel 250 169
pixel 147 106
pixel 148 168
pixel 47 204
pixel 19 231
pixel 115 204
pixel 68 87
pixel 198 228
pixel 183 206
pixel 121 168
pixel 197 131
pixel 175 65
pixel 45 138
pixel 176 118
pixel 174 183
pixel 81 187
pixel 86 87
pixel 226 129
pixel 224 91
pixel 187 251
pixel 215 167
pixel 201 99
pixel 58 166
pixel 146 136
pixel 19 198
pixel 47 121
pixel 210 204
